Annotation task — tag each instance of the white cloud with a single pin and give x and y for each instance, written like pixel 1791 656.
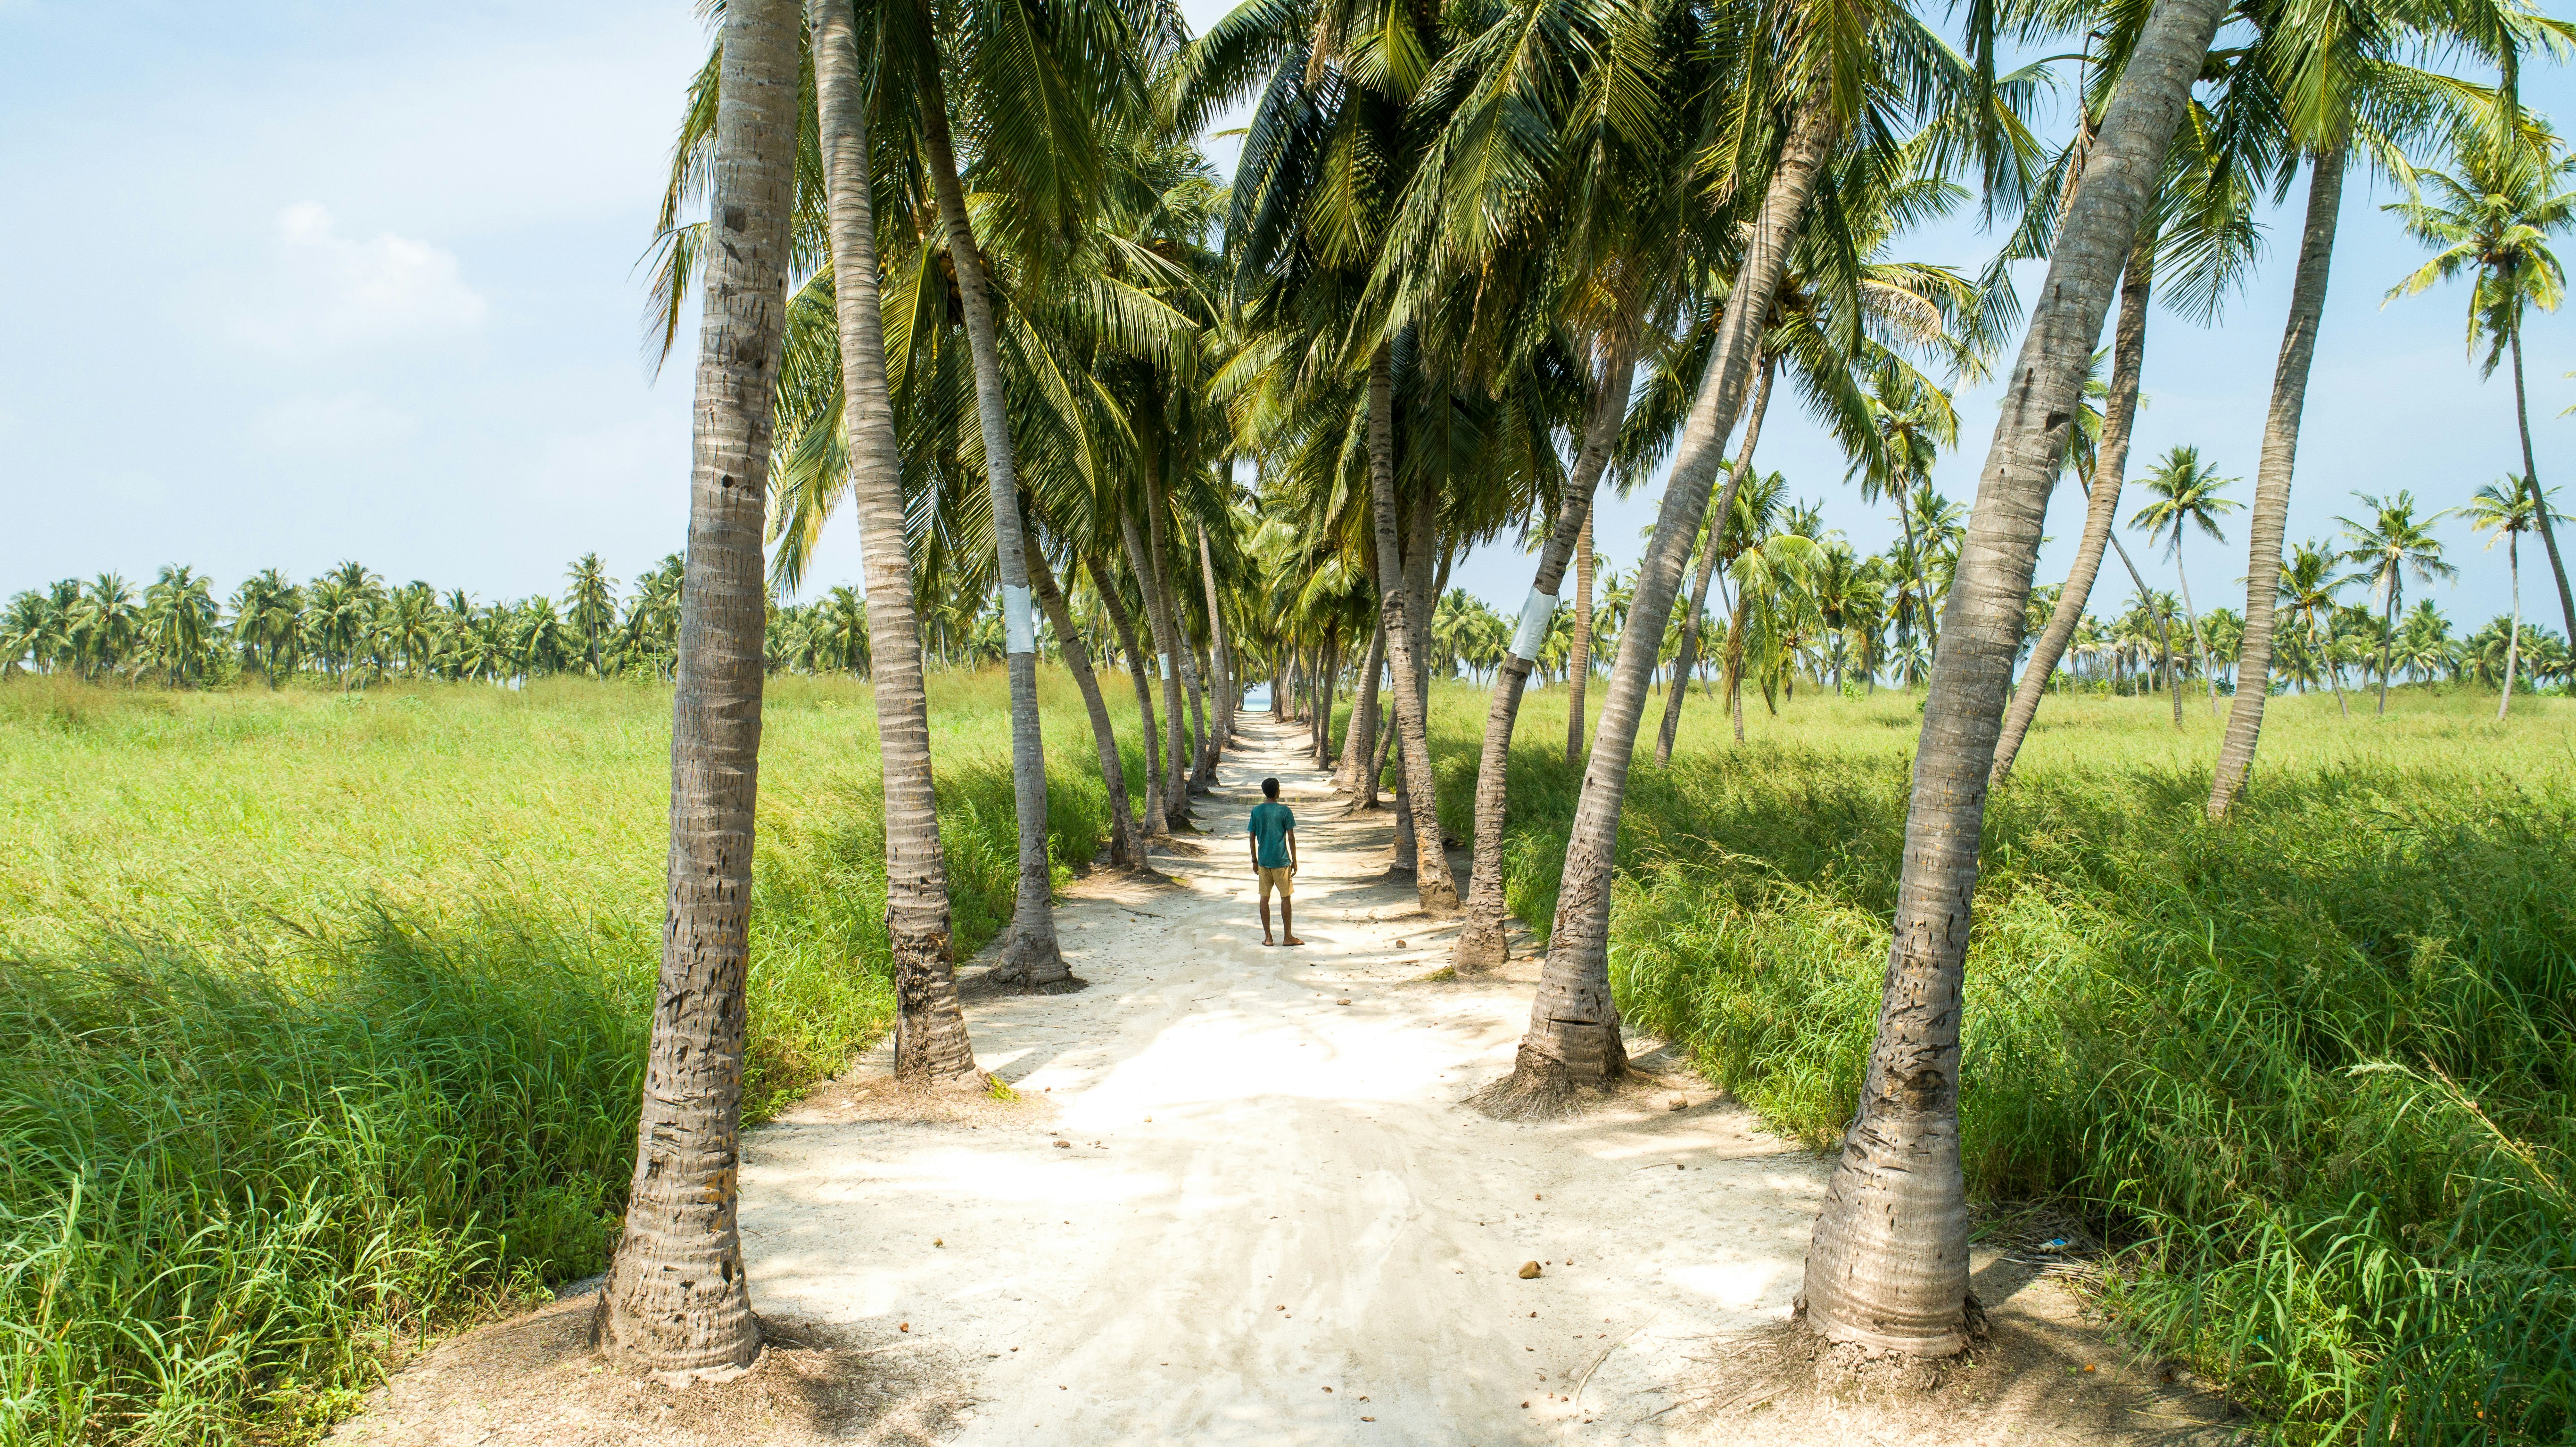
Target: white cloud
pixel 342 423
pixel 328 290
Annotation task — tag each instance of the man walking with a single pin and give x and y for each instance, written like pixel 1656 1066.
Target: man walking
pixel 1273 827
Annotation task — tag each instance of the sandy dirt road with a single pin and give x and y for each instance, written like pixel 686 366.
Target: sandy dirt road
pixel 1276 1220
pixel 1241 1198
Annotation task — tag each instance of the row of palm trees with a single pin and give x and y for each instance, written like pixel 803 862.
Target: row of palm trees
pixel 1459 234
pixel 347 626
pixel 973 292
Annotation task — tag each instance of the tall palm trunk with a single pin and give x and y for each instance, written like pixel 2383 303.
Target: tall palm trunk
pixel 2102 508
pixel 2531 479
pixel 1481 943
pixel 1201 737
pixel 1327 672
pixel 1158 615
pixel 2271 514
pixel 2199 644
pixel 1124 622
pixel 2388 636
pixel 1733 687
pixel 1889 1264
pixel 1573 1036
pixel 1126 841
pixel 1227 693
pixel 1688 657
pixel 675 1301
pixel 1359 741
pixel 930 1030
pixel 1433 885
pixel 1031 957
pixel 1578 668
pixel 2513 639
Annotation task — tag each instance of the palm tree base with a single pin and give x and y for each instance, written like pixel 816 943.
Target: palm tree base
pixel 1481 945
pixel 1545 1087
pixel 1031 961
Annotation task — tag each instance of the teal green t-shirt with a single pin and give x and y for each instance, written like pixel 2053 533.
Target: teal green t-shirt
pixel 1269 828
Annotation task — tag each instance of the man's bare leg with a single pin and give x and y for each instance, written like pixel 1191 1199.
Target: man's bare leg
pixel 1287 921
pixel 1265 918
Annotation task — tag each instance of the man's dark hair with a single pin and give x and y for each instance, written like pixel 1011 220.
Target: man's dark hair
pixel 1270 788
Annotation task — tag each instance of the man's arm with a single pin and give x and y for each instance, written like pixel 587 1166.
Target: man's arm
pixel 1292 846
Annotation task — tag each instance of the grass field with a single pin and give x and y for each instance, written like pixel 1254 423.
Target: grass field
pixel 2312 1070
pixel 322 1015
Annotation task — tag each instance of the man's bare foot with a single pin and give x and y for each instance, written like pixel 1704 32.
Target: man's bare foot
pixel 1292 939
pixel 1265 939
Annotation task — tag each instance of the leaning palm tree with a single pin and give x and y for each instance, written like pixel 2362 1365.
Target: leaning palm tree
pixel 2506 510
pixel 2493 220
pixel 1889 1265
pixel 2388 547
pixel 675 1301
pixel 931 1044
pixel 2186 493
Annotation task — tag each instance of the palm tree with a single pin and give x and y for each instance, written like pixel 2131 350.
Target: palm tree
pixel 2328 77
pixel 590 606
pixel 2506 510
pixel 1889 1265
pixel 2388 547
pixel 675 1301
pixel 2186 493
pixel 2493 218
pixel 931 1044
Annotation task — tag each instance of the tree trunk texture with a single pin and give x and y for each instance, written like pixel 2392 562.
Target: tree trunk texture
pixel 1578 668
pixel 675 1302
pixel 1481 940
pixel 2531 479
pixel 1228 692
pixel 1176 804
pixel 2271 515
pixel 1030 957
pixel 2513 639
pixel 1433 885
pixel 1126 841
pixel 931 1043
pixel 1125 623
pixel 1684 660
pixel 1888 1268
pixel 1573 1036
pixel 1327 675
pixel 2102 506
pixel 1359 741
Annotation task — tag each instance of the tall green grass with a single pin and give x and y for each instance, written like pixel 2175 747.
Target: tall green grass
pixel 2312 1068
pixel 322 1016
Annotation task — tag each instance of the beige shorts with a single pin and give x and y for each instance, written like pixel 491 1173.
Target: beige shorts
pixel 1280 879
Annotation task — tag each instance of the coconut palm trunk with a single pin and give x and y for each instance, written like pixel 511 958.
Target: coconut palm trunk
pixel 1433 886
pixel 1578 667
pixel 1031 956
pixel 1327 671
pixel 2531 480
pixel 1226 692
pixel 1103 583
pixel 675 1301
pixel 1126 841
pixel 1158 616
pixel 931 1044
pixel 1481 941
pixel 2199 644
pixel 1888 1268
pixel 1201 738
pixel 2270 516
pixel 2513 638
pixel 1733 688
pixel 1359 741
pixel 1688 657
pixel 1573 1036
pixel 2102 504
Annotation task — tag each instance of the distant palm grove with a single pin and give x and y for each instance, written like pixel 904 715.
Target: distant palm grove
pixel 2212 892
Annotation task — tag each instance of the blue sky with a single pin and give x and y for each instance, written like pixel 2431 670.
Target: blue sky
pixel 296 282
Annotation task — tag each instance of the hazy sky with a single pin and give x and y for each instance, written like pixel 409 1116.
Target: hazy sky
pixel 295 282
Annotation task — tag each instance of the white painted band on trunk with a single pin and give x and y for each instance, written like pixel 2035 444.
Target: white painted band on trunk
pixel 1019 623
pixel 1167 665
pixel 1534 619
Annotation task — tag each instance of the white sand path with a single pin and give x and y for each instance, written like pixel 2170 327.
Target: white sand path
pixel 1274 1186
